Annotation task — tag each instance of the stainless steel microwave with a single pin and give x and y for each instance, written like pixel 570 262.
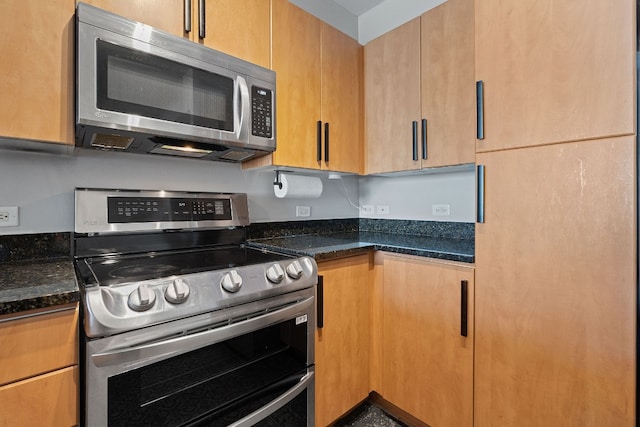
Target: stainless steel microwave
pixel 143 90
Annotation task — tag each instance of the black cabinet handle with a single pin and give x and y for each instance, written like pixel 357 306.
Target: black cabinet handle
pixel 480 194
pixel 464 296
pixel 187 16
pixel 424 139
pixel 326 142
pixel 480 109
pixel 202 33
pixel 319 141
pixel 320 303
pixel 414 125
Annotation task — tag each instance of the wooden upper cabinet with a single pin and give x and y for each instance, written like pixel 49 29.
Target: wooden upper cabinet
pixel 556 299
pixel 319 82
pixel 296 61
pixel 419 98
pixel 448 75
pixel 36 83
pixel 392 98
pixel 341 97
pixel 166 15
pixel 555 71
pixel 239 28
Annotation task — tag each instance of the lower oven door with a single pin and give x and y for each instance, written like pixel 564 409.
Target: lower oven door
pixel 242 366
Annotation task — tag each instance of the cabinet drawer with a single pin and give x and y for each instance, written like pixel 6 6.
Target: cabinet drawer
pixel 46 400
pixel 35 345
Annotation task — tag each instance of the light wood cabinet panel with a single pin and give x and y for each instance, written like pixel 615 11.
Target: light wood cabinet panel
pixel 237 27
pixel 342 356
pixel 427 365
pixel 422 70
pixel 556 286
pixel 241 28
pixel 46 400
pixel 341 95
pixel 555 71
pixel 448 83
pixel 319 82
pixel 36 74
pixel 38 344
pixel 392 98
pixel 296 61
pixel 166 15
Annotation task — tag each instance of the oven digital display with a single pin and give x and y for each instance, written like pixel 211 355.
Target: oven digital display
pixel 162 209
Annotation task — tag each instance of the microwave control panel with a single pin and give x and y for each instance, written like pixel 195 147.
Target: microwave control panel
pixel 261 112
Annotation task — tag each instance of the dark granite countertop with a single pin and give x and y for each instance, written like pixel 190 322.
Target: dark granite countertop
pixel 343 242
pixel 36 273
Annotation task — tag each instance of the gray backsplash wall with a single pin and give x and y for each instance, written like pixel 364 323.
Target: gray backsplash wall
pixel 413 196
pixel 42 186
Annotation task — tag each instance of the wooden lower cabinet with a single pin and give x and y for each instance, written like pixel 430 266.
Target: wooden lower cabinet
pixel 46 400
pixel 426 364
pixel 342 344
pixel 39 379
pixel 556 299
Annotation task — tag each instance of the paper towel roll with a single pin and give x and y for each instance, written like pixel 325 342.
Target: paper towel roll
pixel 298 187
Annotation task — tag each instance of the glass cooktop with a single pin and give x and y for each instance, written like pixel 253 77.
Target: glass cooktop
pixel 116 269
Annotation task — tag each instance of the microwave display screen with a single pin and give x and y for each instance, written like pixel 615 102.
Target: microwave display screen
pixel 136 82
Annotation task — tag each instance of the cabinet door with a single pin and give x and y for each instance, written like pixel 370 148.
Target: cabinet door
pixel 166 15
pixel 448 83
pixel 238 27
pixel 342 345
pixel 36 74
pixel 38 344
pixel 555 71
pixel 392 98
pixel 427 365
pixel 556 286
pixel 342 96
pixel 46 400
pixel 296 61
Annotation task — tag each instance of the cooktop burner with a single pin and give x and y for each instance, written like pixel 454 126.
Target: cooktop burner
pixel 117 269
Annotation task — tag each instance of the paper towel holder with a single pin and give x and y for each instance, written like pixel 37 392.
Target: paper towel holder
pixel 278 182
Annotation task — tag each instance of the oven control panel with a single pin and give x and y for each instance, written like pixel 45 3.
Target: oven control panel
pixel 108 211
pixel 158 209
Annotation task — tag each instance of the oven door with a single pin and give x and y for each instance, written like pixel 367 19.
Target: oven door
pixel 242 366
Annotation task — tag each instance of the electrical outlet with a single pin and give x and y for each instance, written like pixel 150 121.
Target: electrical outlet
pixel 9 216
pixel 303 210
pixel 441 210
pixel 382 210
pixel 367 209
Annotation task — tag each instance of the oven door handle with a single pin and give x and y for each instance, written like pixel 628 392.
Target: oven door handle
pixel 276 403
pixel 186 343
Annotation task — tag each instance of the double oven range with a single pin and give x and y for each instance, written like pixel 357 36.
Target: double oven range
pixel 183 323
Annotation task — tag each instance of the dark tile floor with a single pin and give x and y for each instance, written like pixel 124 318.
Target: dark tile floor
pixel 369 415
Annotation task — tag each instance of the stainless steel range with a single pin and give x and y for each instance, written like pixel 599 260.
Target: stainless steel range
pixel 183 323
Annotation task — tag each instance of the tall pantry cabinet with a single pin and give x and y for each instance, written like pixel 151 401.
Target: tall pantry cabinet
pixel 555 297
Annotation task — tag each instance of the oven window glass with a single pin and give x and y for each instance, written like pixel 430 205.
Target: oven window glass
pixel 215 385
pixel 135 82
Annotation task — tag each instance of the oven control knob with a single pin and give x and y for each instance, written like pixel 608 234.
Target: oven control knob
pixel 275 273
pixel 231 282
pixel 142 298
pixel 177 292
pixel 294 270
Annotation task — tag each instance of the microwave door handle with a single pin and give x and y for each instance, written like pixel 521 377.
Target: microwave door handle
pixel 242 109
pixel 187 16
